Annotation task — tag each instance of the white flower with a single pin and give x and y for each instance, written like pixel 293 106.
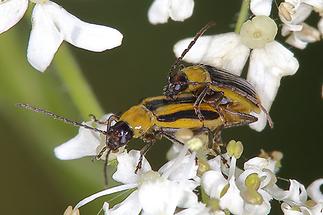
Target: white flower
pixel 156 192
pixel 293 13
pixel 300 39
pixel 177 10
pixel 11 11
pixel 295 200
pixel 269 60
pixel 221 189
pixel 51 24
pixel 320 26
pixel 86 143
pixel 314 190
pixel 261 7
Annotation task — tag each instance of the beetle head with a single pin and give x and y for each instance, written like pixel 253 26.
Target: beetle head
pixel 176 83
pixel 119 135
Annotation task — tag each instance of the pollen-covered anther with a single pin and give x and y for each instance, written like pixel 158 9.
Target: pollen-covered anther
pixel 252 196
pixel 285 11
pixel 259 31
pixel 253 181
pixel 234 148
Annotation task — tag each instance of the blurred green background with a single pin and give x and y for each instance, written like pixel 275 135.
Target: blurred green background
pixel 34 182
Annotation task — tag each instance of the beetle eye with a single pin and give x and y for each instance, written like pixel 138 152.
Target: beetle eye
pixel 177 87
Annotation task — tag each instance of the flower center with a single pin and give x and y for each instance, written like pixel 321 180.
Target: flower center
pixel 259 31
pixel 149 176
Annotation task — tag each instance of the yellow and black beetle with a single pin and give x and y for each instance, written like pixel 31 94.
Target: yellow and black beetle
pixel 221 89
pixel 157 117
pixel 216 87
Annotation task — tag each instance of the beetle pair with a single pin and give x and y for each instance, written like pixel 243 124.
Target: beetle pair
pixel 200 98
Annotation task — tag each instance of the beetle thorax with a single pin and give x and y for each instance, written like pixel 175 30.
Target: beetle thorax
pixel 139 119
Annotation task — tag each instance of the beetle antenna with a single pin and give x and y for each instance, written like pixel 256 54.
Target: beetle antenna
pixel 58 117
pixel 190 45
pixel 270 121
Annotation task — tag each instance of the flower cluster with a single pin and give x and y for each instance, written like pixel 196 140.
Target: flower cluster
pixel 191 184
pixel 293 14
pixel 51 24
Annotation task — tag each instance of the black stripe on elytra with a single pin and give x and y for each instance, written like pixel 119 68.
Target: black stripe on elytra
pixel 228 80
pixel 154 104
pixel 187 114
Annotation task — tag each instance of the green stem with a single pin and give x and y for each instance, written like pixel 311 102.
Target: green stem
pixel 78 88
pixel 243 15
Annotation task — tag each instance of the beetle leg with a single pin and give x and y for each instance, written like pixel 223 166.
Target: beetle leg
pixel 143 152
pixel 198 102
pixel 244 119
pixel 217 143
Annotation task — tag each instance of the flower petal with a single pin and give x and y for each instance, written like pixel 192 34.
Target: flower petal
pixel 288 210
pixel 261 7
pixel 158 12
pixel 11 12
pixel 314 190
pixel 162 196
pixel 131 203
pixel 320 26
pixel 213 183
pixel 127 163
pixel 267 67
pixel 199 209
pixel 259 163
pixel 300 39
pixel 82 34
pixel 85 143
pixel 186 169
pixel 224 51
pixel 104 193
pixel 181 9
pixel 232 199
pixel 297 17
pixel 44 39
pixel 296 193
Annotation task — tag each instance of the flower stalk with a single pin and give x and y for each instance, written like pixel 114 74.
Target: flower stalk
pixel 77 86
pixel 243 15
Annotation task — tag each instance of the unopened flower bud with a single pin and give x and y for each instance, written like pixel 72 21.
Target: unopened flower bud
pixel 259 31
pixel 69 211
